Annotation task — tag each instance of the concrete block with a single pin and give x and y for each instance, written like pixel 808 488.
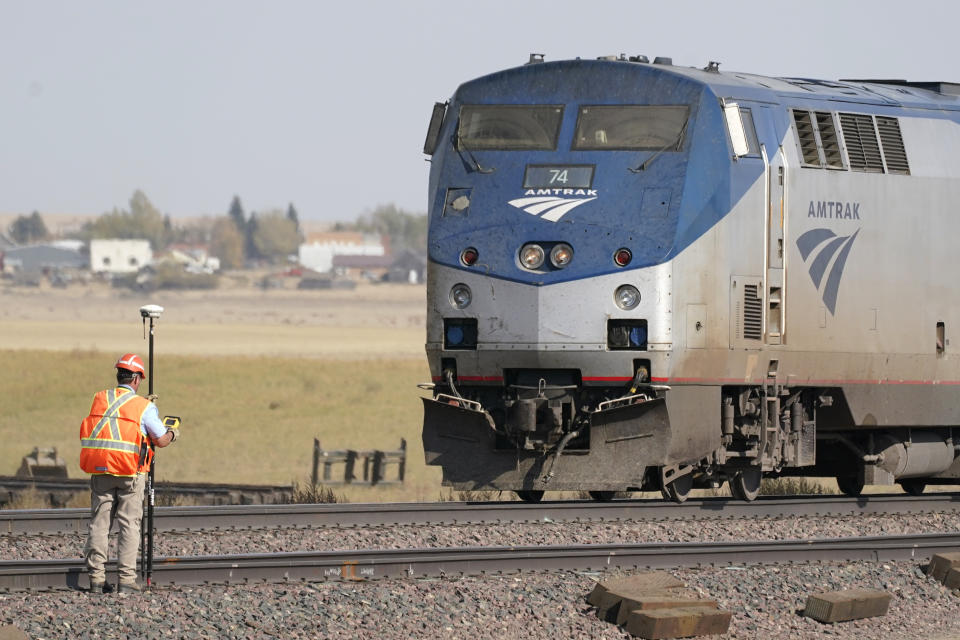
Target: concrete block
pixel 941 563
pixel 850 604
pixel 654 601
pixel 678 623
pixel 952 579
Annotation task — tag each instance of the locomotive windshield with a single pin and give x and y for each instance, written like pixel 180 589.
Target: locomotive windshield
pixel 509 127
pixel 631 127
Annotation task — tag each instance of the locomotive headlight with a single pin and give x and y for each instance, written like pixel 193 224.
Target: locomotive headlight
pixel 531 256
pixel 627 297
pixel 561 255
pixel 461 296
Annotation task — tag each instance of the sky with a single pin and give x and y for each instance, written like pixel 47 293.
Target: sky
pixel 325 105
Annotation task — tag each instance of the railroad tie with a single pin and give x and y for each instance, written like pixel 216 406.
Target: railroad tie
pixel 607 594
pixel 848 604
pixel 685 622
pixel 654 605
pixel 945 568
pixel 10 632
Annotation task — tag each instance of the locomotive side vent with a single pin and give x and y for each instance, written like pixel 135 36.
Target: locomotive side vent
pixel 752 313
pixel 893 150
pixel 819 142
pixel 863 149
pixel 829 140
pixel 808 137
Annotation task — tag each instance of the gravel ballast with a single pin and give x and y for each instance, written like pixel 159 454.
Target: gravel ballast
pixel 765 602
pixel 515 534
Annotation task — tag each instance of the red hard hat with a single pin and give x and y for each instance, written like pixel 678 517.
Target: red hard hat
pixel 132 362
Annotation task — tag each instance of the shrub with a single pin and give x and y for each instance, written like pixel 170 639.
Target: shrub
pixel 793 486
pixel 308 493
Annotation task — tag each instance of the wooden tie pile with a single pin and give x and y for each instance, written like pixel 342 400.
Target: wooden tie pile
pixel 655 605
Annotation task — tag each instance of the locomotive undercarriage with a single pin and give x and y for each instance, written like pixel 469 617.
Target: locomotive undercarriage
pixel 771 431
pixel 545 430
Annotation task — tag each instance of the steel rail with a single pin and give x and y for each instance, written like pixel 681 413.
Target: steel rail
pixel 63 521
pixel 414 563
pixel 277 493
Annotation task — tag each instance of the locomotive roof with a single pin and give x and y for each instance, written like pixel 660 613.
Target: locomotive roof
pixel 920 95
pixel 939 95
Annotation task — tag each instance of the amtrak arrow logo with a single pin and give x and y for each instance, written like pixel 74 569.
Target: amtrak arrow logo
pixel 827 245
pixel 552 207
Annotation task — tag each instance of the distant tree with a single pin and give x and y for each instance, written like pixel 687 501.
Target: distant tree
pixel 227 243
pixel 143 220
pixel 237 215
pixel 27 229
pixel 275 235
pixel 249 229
pixel 406 230
pixel 294 217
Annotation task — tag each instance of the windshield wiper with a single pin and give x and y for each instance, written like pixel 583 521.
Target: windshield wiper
pixel 646 163
pixel 462 147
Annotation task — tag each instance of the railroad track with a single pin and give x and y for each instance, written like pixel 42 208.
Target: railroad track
pixel 450 562
pixel 58 491
pixel 60 521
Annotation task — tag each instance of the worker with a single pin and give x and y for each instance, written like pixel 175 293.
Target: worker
pixel 114 448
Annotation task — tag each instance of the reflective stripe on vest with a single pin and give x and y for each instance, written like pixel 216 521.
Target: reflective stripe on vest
pixel 112 413
pixel 111 444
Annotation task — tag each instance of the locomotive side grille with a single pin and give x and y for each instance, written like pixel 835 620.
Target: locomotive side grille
pixel 752 313
pixel 893 150
pixel 808 137
pixel 829 139
pixel 863 149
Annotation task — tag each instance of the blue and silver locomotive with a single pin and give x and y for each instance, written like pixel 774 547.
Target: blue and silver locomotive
pixel 650 276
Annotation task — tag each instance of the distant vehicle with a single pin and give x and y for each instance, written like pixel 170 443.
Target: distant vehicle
pixel 650 276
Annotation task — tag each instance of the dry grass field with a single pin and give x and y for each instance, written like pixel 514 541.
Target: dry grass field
pixel 255 375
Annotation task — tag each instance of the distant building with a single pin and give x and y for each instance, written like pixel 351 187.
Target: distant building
pixel 369 267
pixel 41 258
pixel 119 256
pixel 408 266
pixel 319 249
pixel 74 245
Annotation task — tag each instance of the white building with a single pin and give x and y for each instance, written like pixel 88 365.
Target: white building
pixel 119 256
pixel 318 251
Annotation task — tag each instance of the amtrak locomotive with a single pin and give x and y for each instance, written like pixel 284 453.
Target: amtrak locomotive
pixel 650 276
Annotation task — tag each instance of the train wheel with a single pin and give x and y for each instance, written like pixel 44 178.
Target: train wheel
pixel 530 496
pixel 913 486
pixel 745 485
pixel 602 496
pixel 679 489
pixel 850 485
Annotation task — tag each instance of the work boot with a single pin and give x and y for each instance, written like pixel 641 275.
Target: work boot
pixel 98 587
pixel 129 587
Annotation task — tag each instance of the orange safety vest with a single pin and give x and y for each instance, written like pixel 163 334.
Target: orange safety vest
pixel 110 437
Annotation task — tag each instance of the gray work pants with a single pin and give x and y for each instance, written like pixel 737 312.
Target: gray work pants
pixel 113 497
